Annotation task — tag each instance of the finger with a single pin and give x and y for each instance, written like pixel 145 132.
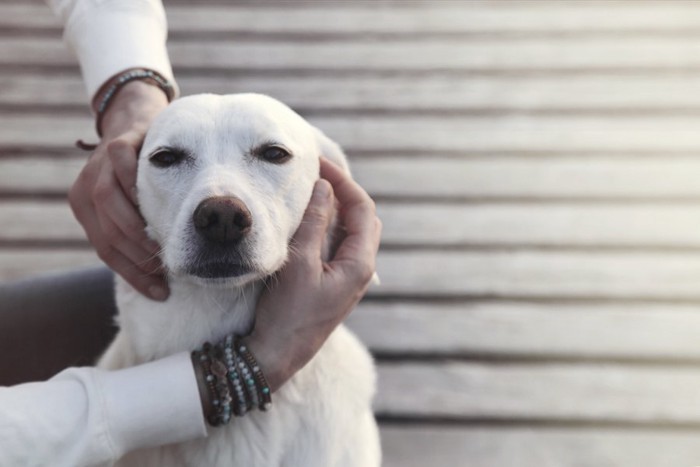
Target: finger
pixel 358 215
pixel 312 231
pixel 150 285
pixel 124 161
pixel 120 226
pixel 111 202
pixel 347 191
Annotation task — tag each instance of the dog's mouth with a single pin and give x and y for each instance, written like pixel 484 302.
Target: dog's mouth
pixel 219 269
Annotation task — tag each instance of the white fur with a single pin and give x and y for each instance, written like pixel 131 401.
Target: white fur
pixel 322 416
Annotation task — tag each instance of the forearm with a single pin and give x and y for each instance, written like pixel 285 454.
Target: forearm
pixel 111 36
pixel 87 416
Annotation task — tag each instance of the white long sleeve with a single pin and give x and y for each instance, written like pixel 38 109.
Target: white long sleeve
pixel 91 417
pixel 110 36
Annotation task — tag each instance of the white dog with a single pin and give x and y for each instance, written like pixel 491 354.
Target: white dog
pixel 251 158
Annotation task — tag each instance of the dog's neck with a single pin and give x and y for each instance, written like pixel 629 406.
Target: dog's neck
pixel 192 315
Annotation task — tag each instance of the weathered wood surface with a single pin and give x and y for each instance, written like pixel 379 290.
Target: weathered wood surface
pixel 525 446
pixel 557 225
pixel 535 164
pixel 471 134
pixel 510 178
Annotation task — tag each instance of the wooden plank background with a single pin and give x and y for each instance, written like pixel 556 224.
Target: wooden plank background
pixel 536 167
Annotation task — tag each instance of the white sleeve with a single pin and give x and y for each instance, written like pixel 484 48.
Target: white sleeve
pixel 91 417
pixel 110 36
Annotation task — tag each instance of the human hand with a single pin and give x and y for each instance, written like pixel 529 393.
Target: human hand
pixel 311 297
pixel 103 197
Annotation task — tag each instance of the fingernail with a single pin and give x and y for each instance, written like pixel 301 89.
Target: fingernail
pixel 157 293
pixel 321 189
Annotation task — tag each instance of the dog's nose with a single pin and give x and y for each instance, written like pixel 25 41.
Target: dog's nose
pixel 222 219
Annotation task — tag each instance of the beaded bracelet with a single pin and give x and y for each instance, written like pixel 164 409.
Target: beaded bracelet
pixel 259 381
pixel 215 376
pixel 242 405
pixel 234 380
pixel 111 87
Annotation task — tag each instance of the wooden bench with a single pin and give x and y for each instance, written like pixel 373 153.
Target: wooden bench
pixel 536 168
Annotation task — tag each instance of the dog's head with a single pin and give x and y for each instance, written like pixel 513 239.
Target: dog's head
pixel 223 182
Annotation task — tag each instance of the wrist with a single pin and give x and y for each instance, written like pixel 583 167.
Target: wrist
pixel 133 107
pixel 273 359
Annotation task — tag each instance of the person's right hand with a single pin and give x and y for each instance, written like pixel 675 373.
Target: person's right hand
pixel 310 297
pixel 103 198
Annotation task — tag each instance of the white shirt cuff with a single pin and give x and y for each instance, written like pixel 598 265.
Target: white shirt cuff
pixel 152 404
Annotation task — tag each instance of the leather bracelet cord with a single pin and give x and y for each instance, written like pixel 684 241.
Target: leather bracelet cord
pixel 110 89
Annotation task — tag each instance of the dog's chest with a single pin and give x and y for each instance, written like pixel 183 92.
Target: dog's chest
pixel 191 316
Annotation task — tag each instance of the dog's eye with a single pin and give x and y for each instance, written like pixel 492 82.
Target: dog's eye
pixel 275 154
pixel 165 158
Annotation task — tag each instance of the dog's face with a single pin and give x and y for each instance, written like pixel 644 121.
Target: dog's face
pixel 223 182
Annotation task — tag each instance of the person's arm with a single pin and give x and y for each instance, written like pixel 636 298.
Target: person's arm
pixel 87 416
pixel 109 37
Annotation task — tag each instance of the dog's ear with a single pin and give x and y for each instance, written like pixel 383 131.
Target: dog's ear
pixel 331 150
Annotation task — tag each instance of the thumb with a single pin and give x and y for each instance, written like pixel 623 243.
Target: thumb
pixel 309 237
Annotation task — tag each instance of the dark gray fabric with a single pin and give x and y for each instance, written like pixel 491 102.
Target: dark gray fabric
pixel 55 321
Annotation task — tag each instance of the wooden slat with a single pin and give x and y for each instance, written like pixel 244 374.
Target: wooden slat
pixel 603 94
pixel 558 225
pixel 38 221
pixel 571 54
pixel 479 178
pixel 341 17
pixel 17 263
pixel 536 273
pixel 609 225
pixel 601 393
pixel 527 273
pixel 429 134
pixel 511 329
pixel 533 446
pixel 580 177
pixel 40 174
